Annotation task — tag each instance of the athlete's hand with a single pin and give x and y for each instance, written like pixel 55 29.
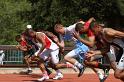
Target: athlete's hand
pixel 76 35
pixel 90 54
pixel 56 39
pixel 17 46
pixel 62 50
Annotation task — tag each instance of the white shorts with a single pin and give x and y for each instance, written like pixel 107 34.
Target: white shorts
pixel 112 57
pixel 46 53
pixel 121 63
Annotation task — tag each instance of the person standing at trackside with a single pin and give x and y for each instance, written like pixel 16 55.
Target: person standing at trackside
pixel 2 56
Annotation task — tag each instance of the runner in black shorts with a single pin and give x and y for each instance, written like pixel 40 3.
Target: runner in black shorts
pixel 108 36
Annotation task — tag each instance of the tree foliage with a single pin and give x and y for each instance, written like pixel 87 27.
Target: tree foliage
pixel 10 22
pixel 43 14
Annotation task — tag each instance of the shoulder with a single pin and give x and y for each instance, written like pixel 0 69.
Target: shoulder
pixel 49 34
pixel 39 34
pixel 109 31
pixel 71 27
pixel 90 33
pixel 23 43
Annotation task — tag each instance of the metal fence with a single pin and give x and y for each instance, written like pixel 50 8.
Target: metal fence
pixel 15 57
pixel 12 55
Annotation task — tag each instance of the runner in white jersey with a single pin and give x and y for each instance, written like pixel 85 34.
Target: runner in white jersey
pixel 48 49
pixel 79 50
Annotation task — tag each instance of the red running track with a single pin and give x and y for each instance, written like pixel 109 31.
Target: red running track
pixel 67 78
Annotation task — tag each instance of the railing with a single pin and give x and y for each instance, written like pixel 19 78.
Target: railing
pixel 14 57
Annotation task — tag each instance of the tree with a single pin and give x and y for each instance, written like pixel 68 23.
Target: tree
pixel 45 13
pixel 11 23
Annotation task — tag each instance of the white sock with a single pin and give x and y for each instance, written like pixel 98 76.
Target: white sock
pixel 77 64
pixel 29 69
pixel 58 71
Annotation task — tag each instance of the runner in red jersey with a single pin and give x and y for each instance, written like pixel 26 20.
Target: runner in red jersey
pixel 86 36
pixel 27 49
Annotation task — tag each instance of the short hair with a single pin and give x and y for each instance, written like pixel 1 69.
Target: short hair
pixel 29 30
pixel 79 26
pixel 95 24
pixel 17 37
pixel 58 26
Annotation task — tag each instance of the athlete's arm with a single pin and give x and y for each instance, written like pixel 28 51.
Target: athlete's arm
pixel 92 53
pixel 23 48
pixel 97 52
pixel 61 43
pixel 41 40
pixel 90 42
pixel 91 19
pixel 115 33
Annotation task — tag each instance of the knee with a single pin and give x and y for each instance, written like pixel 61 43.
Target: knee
pixel 86 62
pixel 66 58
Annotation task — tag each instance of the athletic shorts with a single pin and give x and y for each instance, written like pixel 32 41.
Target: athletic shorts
pixel 46 53
pixel 111 54
pixel 121 63
pixel 79 52
pixel 120 43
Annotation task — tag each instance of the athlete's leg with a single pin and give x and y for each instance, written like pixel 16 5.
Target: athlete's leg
pixel 96 64
pixel 43 56
pixel 55 61
pixel 70 58
pixel 55 64
pixel 112 58
pixel 26 58
pixel 43 69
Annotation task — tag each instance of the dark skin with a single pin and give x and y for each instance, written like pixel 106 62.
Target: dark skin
pixel 39 38
pixel 109 35
pixel 91 39
pixel 25 49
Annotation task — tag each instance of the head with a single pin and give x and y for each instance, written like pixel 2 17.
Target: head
pixel 96 29
pixel 18 38
pixel 79 27
pixel 59 29
pixel 31 33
